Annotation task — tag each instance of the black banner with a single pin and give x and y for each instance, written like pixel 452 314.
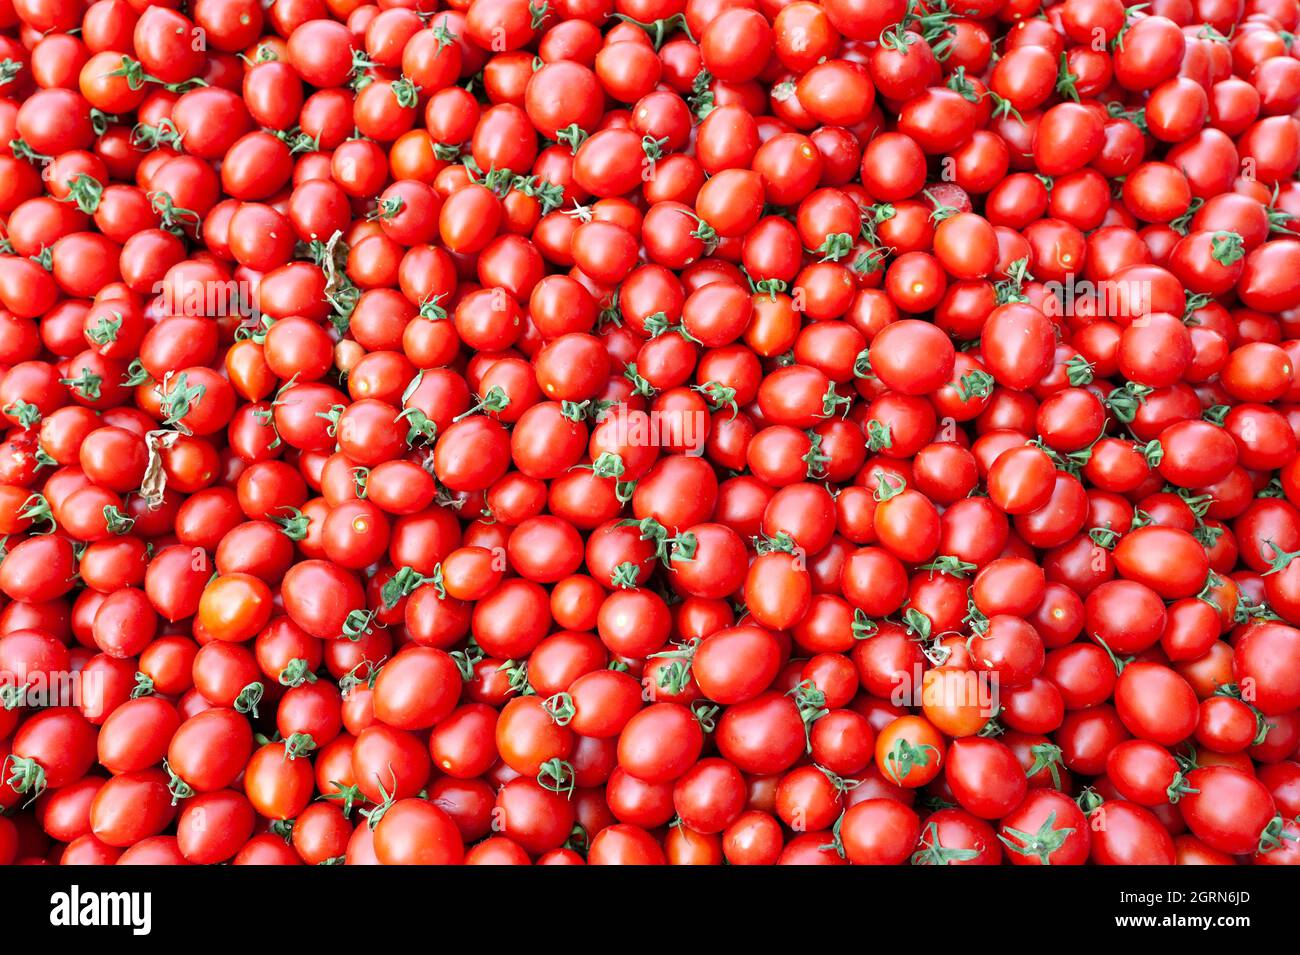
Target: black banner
pixel 338 906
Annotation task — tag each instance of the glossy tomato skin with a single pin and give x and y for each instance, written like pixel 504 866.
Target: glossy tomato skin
pixel 1206 813
pixel 1131 835
pixel 417 833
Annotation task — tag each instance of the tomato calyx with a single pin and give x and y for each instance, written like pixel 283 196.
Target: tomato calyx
pixel 297 141
pixel 248 698
pixel 1278 219
pixel 1276 834
pixel 1280 560
pixel 36 509
pixel 406 581
pixel 13 695
pixel 836 844
pixel 9 70
pixel 557 776
pixel 1066 81
pixel 1104 537
pixel 640 386
pixel 420 430
pixel 1118 42
pixel 949 565
pixel 549 195
pixel 862 364
pixel 1125 400
pixel 1247 610
pixel 386 208
pixel 1011 288
pixel 517 677
pixel 361 74
pixel 940 210
pixel 1227 248
pixel 931 851
pixel 467 659
pixel 667 548
pixel 835 247
pixel 357 624
pixel 133 72
pixel 105 330
pixel 781 542
pixel 814 458
pixel 653 148
pixel 116 522
pixel 609 464
pixel 406 93
pixel 719 396
pixel 572 136
pixel 1183 224
pixel 174 219
pixel 832 402
pixel 559 707
pixel 904 756
pixel 975 384
pixel 1003 107
pixel 660 30
pixel 1233 691
pixel 676 677
pixel 1179 787
pixel 296 673
pixel 625 576
pixel 23 413
pixel 86 385
pixel 22 150
pixel 332 415
pixel 178 787
pixel 869 261
pixel 701 100
pixel 975 618
pixel 349 796
pixel 373 816
pixel 293 524
pixel 862 626
pixel 579 840
pixel 1079 371
pixel 658 324
pixel 352 679
pixel 1047 756
pixel 889 486
pixel 85 192
pixel 298 744
pixel 1089 800
pixel 1041 843
pixel 842 784
pixel 811 702
pixel 706 715
pixel 1072 462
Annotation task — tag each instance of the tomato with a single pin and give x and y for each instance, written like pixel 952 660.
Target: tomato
pixel 418 688
pixel 205 844
pixel 910 752
pixel 878 832
pixel 1205 811
pixel 1047 828
pixel 130 809
pixel 137 734
pixel 1127 834
pixel 416 832
pixel 208 751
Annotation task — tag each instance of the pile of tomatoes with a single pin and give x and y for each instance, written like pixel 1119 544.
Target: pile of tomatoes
pixel 644 431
